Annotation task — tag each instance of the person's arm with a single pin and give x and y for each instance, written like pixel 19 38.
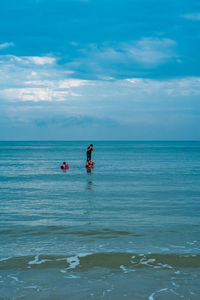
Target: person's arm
pixel 90 149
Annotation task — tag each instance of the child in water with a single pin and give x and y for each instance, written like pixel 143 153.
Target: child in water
pixel 89 164
pixel 64 166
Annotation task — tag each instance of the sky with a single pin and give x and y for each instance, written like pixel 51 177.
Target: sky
pixel 100 70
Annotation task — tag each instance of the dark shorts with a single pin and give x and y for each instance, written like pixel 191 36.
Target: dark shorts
pixel 88 156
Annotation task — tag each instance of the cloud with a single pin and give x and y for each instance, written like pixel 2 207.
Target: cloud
pixel 103 60
pixel 6 45
pixel 28 78
pixel 69 83
pixel 126 101
pixel 152 51
pixel 193 16
pixel 39 60
pixel 47 83
pixel 28 94
pixel 36 94
pixel 113 108
pixel 117 59
pixel 28 60
pixel 173 88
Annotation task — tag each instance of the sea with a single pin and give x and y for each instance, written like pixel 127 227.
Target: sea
pixel 129 228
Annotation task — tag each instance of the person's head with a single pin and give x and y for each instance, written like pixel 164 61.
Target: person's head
pixel 91 145
pixel 64 163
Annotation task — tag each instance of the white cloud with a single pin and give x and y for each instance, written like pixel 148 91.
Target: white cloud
pixel 130 88
pixel 28 94
pixel 194 16
pixel 174 87
pixel 6 45
pixel 28 60
pixel 134 80
pixel 150 50
pixel 69 83
pixel 132 102
pixel 39 60
pixel 36 94
pixel 47 83
pixel 110 58
pixel 35 79
pixel 35 82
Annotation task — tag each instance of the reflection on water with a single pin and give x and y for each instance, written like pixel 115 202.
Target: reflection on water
pixel 65 170
pixel 89 170
pixel 89 181
pixel 89 185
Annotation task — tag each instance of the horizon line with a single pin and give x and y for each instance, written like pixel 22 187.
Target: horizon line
pixel 167 140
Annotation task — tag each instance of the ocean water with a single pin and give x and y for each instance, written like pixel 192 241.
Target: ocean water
pixel 127 229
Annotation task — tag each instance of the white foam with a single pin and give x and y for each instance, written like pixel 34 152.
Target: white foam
pixel 174 284
pixel 73 262
pixel 123 269
pixel 166 266
pixel 177 246
pixel 192 293
pixel 32 287
pixel 14 278
pixel 106 291
pixel 5 258
pixel 36 261
pixel 126 270
pixel 84 254
pixel 151 297
pixel 177 294
pixel 191 243
pixel 71 277
pixel 63 271
pixel 147 262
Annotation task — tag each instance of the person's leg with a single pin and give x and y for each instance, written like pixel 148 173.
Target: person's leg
pixel 88 156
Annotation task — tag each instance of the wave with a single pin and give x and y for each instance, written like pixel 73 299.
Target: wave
pixel 61 230
pixel 86 261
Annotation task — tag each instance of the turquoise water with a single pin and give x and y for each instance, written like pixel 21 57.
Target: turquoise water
pixel 129 229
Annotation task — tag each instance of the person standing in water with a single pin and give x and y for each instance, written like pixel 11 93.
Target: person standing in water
pixel 89 152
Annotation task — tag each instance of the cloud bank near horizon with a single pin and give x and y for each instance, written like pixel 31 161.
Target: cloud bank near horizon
pixel 122 73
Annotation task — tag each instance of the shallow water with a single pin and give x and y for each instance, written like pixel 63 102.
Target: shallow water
pixel 129 229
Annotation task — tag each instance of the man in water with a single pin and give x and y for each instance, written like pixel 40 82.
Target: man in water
pixel 89 152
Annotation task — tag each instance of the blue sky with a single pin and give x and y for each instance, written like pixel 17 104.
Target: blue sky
pixel 99 70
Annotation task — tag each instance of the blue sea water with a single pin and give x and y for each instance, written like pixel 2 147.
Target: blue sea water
pixel 127 229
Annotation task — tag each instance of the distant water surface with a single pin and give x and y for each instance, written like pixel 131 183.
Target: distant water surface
pixel 127 229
